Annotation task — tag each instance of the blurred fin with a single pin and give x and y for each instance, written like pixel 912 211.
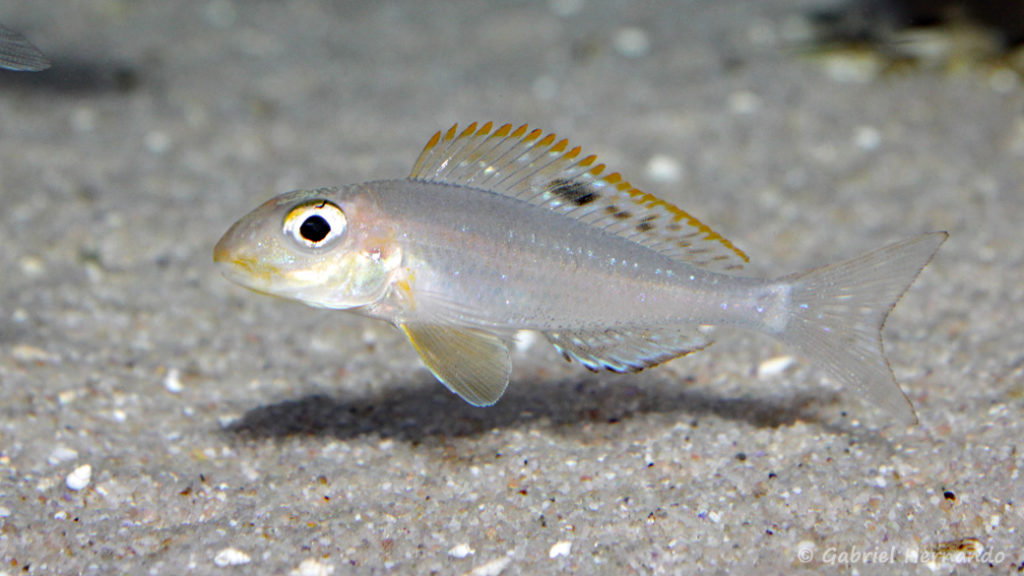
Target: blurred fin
pixel 17 53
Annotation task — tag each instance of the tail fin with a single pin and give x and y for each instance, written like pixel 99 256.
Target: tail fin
pixel 838 311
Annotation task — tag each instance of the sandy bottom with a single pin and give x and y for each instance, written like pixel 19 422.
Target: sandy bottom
pixel 157 419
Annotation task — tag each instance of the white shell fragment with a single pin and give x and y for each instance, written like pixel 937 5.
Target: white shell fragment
pixel 867 138
pixel 460 551
pixel 663 168
pixel 632 42
pixel 312 567
pixel 562 548
pixel 172 381
pixel 231 557
pixel 79 478
pixel 62 454
pixel 492 568
pixel 774 366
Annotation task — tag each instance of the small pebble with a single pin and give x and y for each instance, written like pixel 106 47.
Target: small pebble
pixel 31 266
pixel 632 42
pixel 562 548
pixel 65 397
pixel 663 168
pixel 867 138
pixel 157 142
pixel 460 551
pixel 774 366
pixel 231 557
pixel 312 567
pixel 79 478
pixel 83 119
pixel 31 354
pixel 172 381
pixel 227 420
pixel 492 568
pixel 761 32
pixel 62 454
pixel 744 103
pixel 852 68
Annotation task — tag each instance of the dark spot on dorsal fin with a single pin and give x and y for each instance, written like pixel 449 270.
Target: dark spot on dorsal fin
pixel 614 211
pixel 645 224
pixel 573 191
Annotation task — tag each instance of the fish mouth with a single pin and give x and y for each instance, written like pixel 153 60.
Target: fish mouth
pixel 248 272
pixel 222 254
pixel 242 268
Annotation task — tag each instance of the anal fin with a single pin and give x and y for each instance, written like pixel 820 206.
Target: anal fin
pixel 628 350
pixel 472 363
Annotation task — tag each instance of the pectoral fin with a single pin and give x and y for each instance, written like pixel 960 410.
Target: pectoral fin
pixel 472 363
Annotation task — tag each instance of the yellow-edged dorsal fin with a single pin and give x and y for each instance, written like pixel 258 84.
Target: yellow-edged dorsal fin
pixel 546 172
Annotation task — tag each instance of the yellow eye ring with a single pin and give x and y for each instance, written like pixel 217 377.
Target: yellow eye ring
pixel 315 224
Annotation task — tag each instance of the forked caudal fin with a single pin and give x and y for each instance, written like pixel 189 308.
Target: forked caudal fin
pixel 837 313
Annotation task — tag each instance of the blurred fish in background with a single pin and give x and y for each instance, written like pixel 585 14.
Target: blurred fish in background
pixel 18 54
pixel 943 35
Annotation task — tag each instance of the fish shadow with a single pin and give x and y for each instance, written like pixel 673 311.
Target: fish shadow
pixel 75 76
pixel 429 410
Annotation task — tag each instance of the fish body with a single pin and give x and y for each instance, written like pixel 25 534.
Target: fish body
pixel 502 264
pixel 17 53
pixel 497 231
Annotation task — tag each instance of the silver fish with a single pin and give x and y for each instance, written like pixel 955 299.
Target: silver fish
pixel 497 231
pixel 16 53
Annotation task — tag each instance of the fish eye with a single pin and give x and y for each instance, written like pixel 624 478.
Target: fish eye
pixel 315 224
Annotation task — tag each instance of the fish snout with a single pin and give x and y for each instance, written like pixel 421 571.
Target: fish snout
pixel 222 251
pixel 239 262
pixel 233 244
pixel 230 253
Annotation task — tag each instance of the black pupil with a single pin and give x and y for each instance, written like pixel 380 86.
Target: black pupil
pixel 315 229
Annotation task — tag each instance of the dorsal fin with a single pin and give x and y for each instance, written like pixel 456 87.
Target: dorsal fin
pixel 543 170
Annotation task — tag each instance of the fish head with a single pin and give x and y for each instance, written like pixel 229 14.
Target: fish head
pixel 328 248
